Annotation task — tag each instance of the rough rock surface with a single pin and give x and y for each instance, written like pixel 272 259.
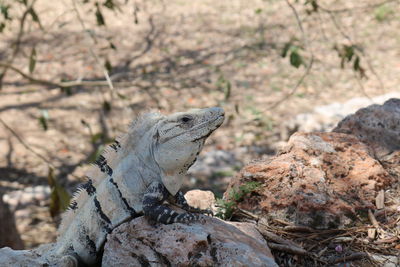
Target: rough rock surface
pixel 376 125
pixel 321 180
pixel 325 118
pixel 31 258
pixel 213 243
pixel 9 236
pixel 379 127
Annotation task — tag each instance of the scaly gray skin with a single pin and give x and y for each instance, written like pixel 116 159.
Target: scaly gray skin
pixel 138 173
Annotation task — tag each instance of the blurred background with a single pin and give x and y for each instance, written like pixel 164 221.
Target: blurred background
pixel 74 73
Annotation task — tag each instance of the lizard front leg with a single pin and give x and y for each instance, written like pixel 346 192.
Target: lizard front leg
pixel 181 202
pixel 153 208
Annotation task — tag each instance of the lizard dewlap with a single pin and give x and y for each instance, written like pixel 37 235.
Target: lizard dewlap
pixel 134 177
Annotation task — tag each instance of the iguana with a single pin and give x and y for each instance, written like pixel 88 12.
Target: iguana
pixel 134 177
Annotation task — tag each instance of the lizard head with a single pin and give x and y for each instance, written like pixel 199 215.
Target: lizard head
pixel 179 139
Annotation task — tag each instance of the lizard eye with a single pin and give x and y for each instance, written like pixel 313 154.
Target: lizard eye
pixel 186 119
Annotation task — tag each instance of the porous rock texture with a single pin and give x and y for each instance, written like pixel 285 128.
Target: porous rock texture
pixel 209 243
pixel 379 127
pixel 321 180
pixel 329 180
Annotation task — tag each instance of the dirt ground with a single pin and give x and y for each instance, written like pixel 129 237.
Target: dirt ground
pixel 180 55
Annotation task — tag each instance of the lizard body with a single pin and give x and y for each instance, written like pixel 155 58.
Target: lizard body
pixel 137 174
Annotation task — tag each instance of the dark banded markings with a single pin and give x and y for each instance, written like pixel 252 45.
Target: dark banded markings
pixel 103 216
pixel 101 162
pixel 73 205
pixel 115 146
pixel 91 245
pixel 88 186
pixel 129 208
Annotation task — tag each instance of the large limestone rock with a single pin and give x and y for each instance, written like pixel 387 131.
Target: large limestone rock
pixel 321 180
pixel 211 243
pixel 32 258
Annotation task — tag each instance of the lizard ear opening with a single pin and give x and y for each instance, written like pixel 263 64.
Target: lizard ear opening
pixel 172 182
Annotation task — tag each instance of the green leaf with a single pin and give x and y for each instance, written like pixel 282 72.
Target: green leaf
pixel 32 60
pixel 108 66
pixel 112 46
pixel 348 52
pixel 258 11
pixel 99 16
pixel 286 49
pixel 356 64
pixel 4 11
pixel 43 119
pixel 228 90
pixel 295 59
pixel 59 197
pixel 106 106
pixel 109 4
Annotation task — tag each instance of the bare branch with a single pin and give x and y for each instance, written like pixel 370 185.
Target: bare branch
pixel 309 65
pixel 25 144
pixel 17 43
pixel 106 74
pixel 53 84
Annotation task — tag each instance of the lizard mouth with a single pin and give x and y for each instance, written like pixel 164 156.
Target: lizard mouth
pixel 214 124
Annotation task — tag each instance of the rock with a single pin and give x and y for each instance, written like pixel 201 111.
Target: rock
pixel 200 199
pixel 9 235
pixel 19 258
pixel 376 125
pixel 213 243
pixel 379 127
pixel 42 256
pixel 325 118
pixel 386 261
pixel 320 180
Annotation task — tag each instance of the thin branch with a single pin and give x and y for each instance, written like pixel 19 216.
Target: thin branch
pixel 25 144
pixel 29 148
pixel 106 74
pixel 17 43
pixel 309 65
pixel 339 28
pixel 53 84
pixel 355 8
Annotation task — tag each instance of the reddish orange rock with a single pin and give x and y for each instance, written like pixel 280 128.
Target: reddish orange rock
pixel 321 180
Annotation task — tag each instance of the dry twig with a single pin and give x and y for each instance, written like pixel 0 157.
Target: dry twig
pixel 352 257
pixel 29 148
pixel 288 248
